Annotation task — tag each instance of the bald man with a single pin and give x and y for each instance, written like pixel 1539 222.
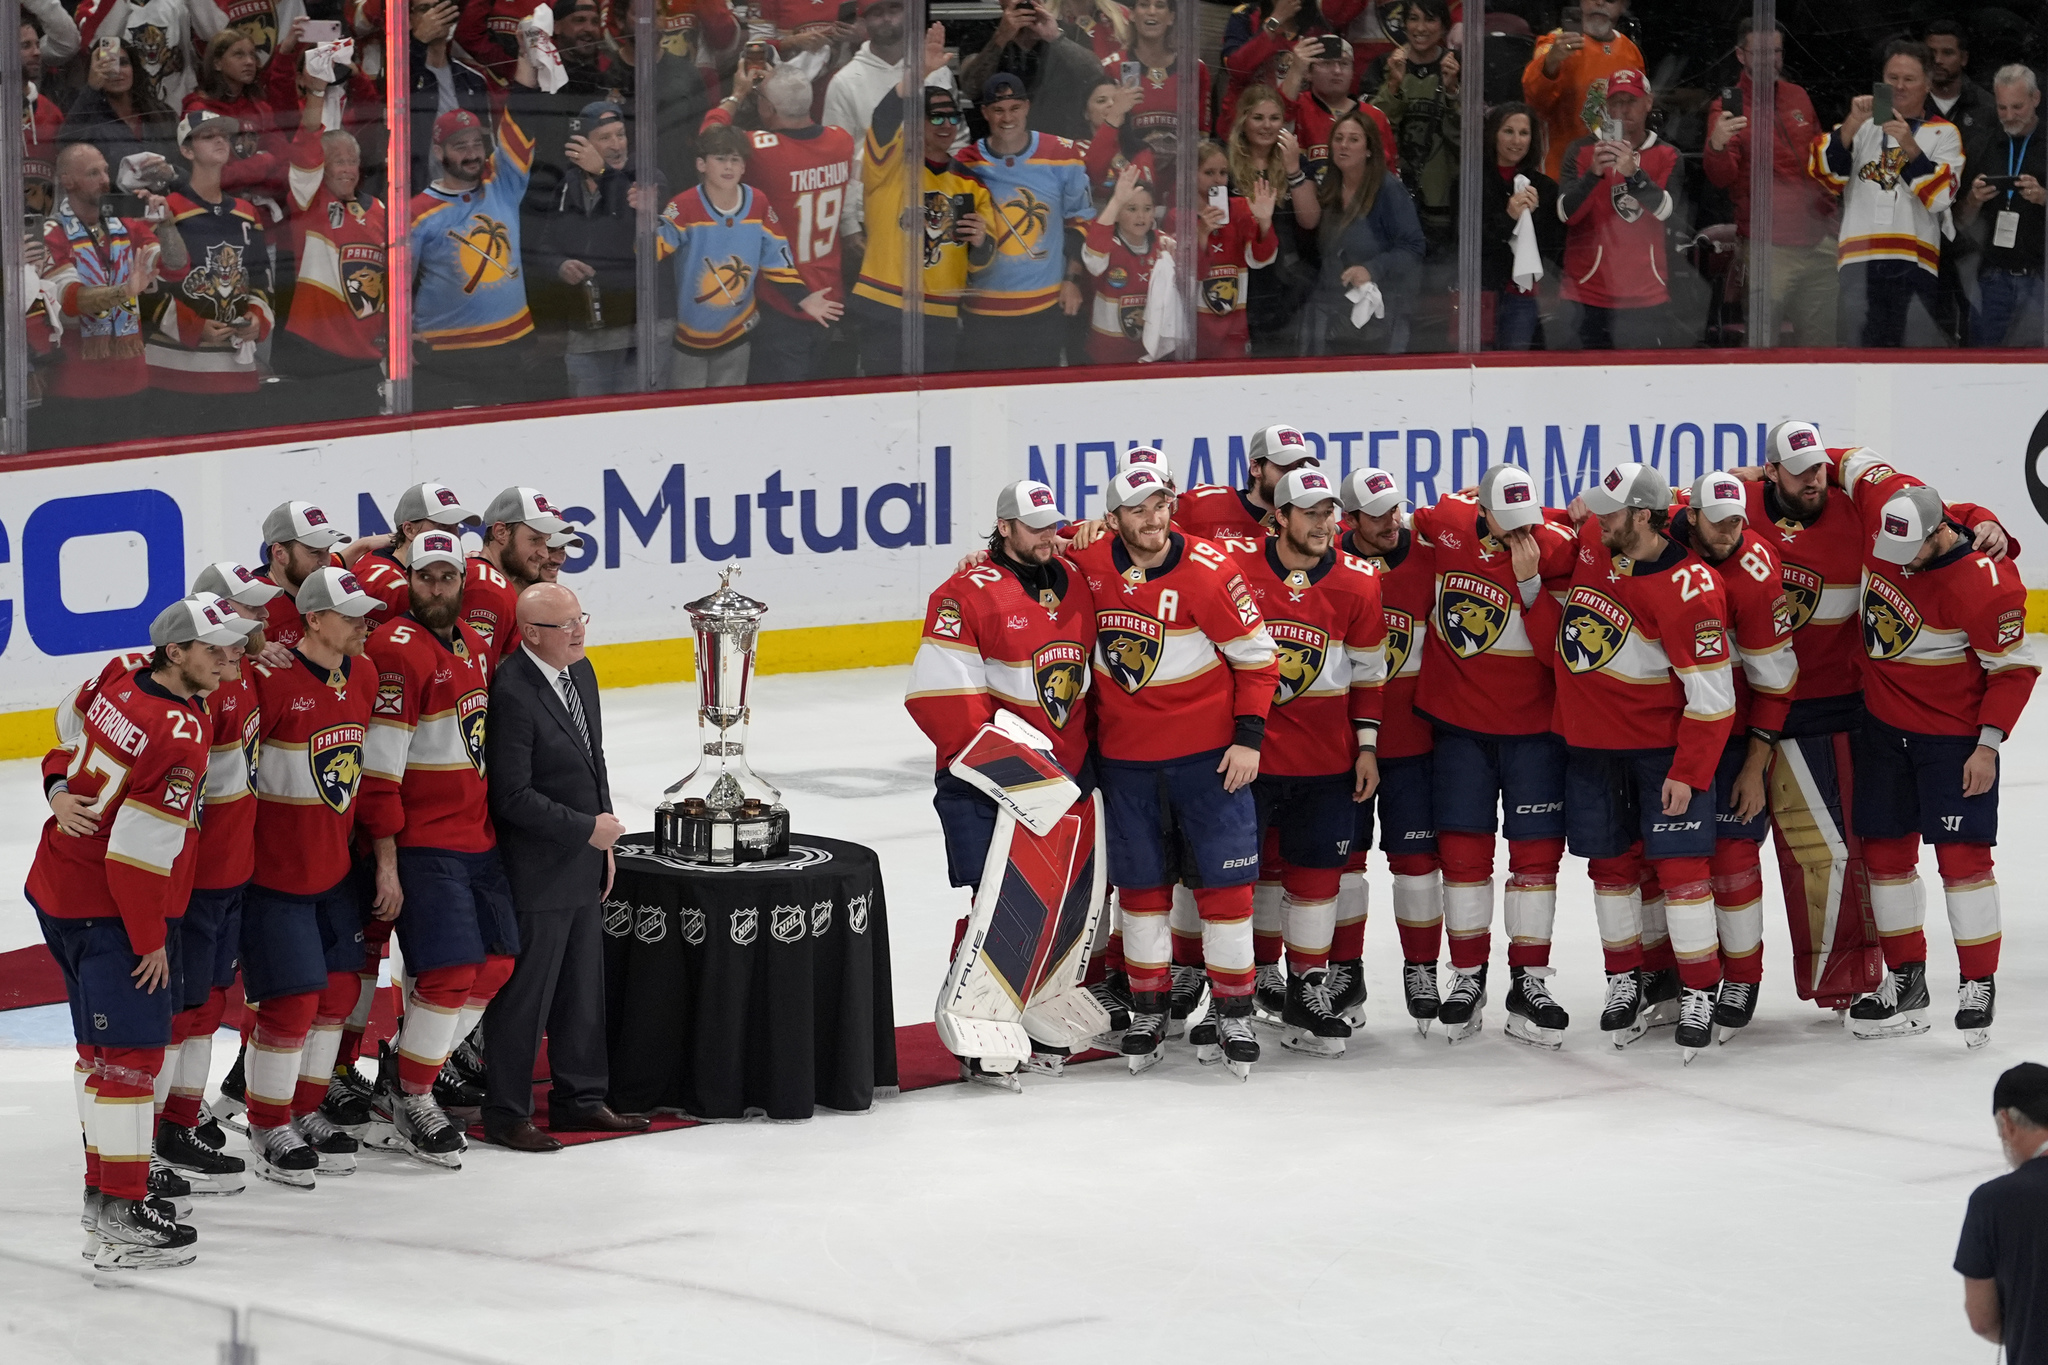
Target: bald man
pixel 552 801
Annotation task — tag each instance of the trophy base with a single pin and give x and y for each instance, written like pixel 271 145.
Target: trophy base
pixel 723 839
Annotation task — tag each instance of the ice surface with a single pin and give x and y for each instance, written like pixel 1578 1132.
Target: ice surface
pixel 1794 1196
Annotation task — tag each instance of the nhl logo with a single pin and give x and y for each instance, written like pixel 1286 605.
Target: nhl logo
pixel 690 924
pixel 786 922
pixel 857 914
pixel 99 1021
pixel 1302 651
pixel 1129 646
pixel 650 925
pixel 1057 670
pixel 618 918
pixel 821 918
pixel 1471 613
pixel 336 755
pixel 746 925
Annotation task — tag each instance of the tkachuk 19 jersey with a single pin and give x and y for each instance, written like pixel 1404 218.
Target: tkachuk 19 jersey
pixel 309 765
pixel 227 823
pixel 1180 650
pixel 488 600
pixel 990 642
pixel 1479 672
pixel 1214 512
pixel 1947 644
pixel 423 763
pixel 1760 626
pixel 139 762
pixel 1407 579
pixel 1640 653
pixel 1330 635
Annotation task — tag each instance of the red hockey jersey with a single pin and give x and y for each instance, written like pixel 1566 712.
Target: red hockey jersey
pixel 227 821
pixel 1229 255
pixel 488 600
pixel 1640 655
pixel 1330 635
pixel 805 176
pixel 990 642
pixel 1180 651
pixel 309 765
pixel 1407 579
pixel 1479 672
pixel 342 285
pixel 423 764
pixel 387 580
pixel 1211 511
pixel 1122 280
pixel 140 761
pixel 1946 645
pixel 1760 627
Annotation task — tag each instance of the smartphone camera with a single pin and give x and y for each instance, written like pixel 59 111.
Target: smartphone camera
pixel 1731 100
pixel 1219 197
pixel 1131 72
pixel 963 204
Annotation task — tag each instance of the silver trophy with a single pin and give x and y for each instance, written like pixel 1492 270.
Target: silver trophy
pixel 723 813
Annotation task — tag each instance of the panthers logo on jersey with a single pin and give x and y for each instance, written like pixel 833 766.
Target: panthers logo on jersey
pixel 336 754
pixel 362 277
pixel 1131 317
pixel 252 741
pixel 1471 613
pixel 1594 628
pixel 1890 624
pixel 1302 650
pixel 724 283
pixel 1129 646
pixel 1802 593
pixel 1056 669
pixel 469 714
pixel 1400 640
pixel 1220 296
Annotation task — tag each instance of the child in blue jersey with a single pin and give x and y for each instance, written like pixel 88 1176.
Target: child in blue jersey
pixel 727 242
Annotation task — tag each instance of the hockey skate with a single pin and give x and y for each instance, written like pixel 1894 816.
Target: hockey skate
pixel 426 1132
pixel 456 1093
pixel 1695 1022
pixel 1621 1018
pixel 1235 1045
pixel 209 1132
pixel 282 1156
pixel 347 1106
pixel 1533 1016
pixel 336 1149
pixel 380 1132
pixel 975 1073
pixel 1117 1005
pixel 1346 985
pixel 89 1219
pixel 1313 1028
pixel 1463 1012
pixel 1048 1059
pixel 1976 1002
pixel 1190 991
pixel 207 1171
pixel 1733 1008
pixel 230 1108
pixel 138 1234
pixel 1145 1040
pixel 1897 1008
pixel 166 1186
pixel 1418 981
pixel 1660 997
pixel 467 1061
pixel 1269 994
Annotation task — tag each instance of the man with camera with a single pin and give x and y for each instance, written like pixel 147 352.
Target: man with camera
pixel 1615 196
pixel 1570 76
pixel 584 243
pixel 2004 202
pixel 1055 73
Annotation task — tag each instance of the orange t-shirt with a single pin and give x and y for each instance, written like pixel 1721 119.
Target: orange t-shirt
pixel 1573 105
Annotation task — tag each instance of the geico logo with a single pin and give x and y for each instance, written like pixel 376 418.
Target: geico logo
pixel 1240 862
pixel 1673 826
pixel 1539 808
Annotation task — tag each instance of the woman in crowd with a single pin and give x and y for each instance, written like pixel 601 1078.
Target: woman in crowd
pixel 1367 234
pixel 1109 105
pixel 1517 142
pixel 116 112
pixel 230 85
pixel 1263 151
pixel 1257 43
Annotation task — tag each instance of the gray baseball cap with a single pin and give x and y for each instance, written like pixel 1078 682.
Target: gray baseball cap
pixel 332 589
pixel 1909 517
pixel 1371 491
pixel 230 580
pixel 435 502
pixel 1305 488
pixel 1507 491
pixel 516 505
pixel 191 619
pixel 1629 485
pixel 1030 502
pixel 303 522
pixel 1282 445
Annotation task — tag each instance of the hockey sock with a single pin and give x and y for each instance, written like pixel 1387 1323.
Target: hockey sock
pixel 1738 879
pixel 1308 915
pixel 490 979
pixel 323 1041
pixel 1418 909
pixel 84 1090
pixel 160 1091
pixel 433 1008
pixel 124 1120
pixel 1618 908
pixel 1972 895
pixel 1348 919
pixel 1689 908
pixel 1656 932
pixel 1897 899
pixel 358 1021
pixel 1148 947
pixel 191 1066
pixel 1185 923
pixel 270 1068
pixel 1529 899
pixel 1468 895
pixel 1269 921
pixel 1227 938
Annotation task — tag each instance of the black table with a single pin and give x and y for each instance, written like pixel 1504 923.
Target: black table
pixel 760 990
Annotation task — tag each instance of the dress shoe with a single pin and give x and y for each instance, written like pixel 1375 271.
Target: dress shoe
pixel 521 1137
pixel 598 1120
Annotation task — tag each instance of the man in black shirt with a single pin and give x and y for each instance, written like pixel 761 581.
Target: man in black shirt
pixel 2003 1256
pixel 2002 202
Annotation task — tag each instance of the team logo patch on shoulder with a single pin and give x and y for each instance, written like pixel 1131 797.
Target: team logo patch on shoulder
pixel 946 620
pixel 470 713
pixel 1241 598
pixel 1400 640
pixel 1877 474
pixel 1709 640
pixel 1302 650
pixel 485 624
pixel 336 754
pixel 179 785
pixel 1594 628
pixel 1890 621
pixel 1471 613
pixel 1129 645
pixel 1802 593
pixel 1056 669
pixel 2012 626
pixel 1781 614
pixel 390 695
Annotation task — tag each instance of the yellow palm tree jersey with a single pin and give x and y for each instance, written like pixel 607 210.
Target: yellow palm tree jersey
pixel 883 268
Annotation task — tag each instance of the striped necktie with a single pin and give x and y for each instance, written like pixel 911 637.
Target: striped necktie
pixel 575 705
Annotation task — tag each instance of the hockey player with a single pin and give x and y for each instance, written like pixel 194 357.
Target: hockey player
pixel 1405 569
pixel 302 925
pixel 517 526
pixel 425 809
pixel 1213 511
pixel 1644 701
pixel 1714 526
pixel 383 572
pixel 298 540
pixel 1948 673
pixel 1322 610
pixel 1489 697
pixel 113 864
pixel 1184 675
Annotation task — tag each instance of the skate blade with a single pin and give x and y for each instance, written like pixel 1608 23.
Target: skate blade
pixel 1047 1064
pixel 1976 1037
pixel 209 1184
pixel 1724 1034
pixel 445 1161
pixel 1421 1025
pixel 335 1163
pixel 1663 1014
pixel 1241 1070
pixel 230 1114
pixel 1208 1054
pixel 1522 1031
pixel 1310 1045
pixel 994 1080
pixel 1175 1028
pixel 1355 1016
pixel 1622 1037
pixel 380 1135
pixel 291 1180
pixel 1112 1041
pixel 1686 1054
pixel 1458 1033
pixel 117 1256
pixel 1145 1061
pixel 1902 1025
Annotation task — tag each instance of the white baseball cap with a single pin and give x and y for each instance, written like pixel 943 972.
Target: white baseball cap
pixel 571 539
pixel 189 619
pixel 435 502
pixel 1146 457
pixel 437 547
pixel 1371 491
pixel 332 589
pixel 303 522
pixel 1795 445
pixel 1909 517
pixel 1629 485
pixel 1282 445
pixel 516 505
pixel 1132 487
pixel 1717 496
pixel 214 603
pixel 1507 491
pixel 1305 488
pixel 1030 502
pixel 230 580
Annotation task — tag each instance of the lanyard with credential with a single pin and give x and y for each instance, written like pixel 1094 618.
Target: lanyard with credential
pixel 2014 164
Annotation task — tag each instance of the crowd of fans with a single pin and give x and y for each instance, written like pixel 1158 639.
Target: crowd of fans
pixel 207 181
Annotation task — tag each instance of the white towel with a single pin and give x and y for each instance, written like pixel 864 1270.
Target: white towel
pixel 1366 303
pixel 1166 324
pixel 1528 260
pixel 33 287
pixel 323 58
pixel 537 38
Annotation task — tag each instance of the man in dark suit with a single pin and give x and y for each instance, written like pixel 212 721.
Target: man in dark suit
pixel 551 799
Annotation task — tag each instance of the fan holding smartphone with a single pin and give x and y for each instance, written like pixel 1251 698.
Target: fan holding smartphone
pixel 2005 206
pixel 1566 79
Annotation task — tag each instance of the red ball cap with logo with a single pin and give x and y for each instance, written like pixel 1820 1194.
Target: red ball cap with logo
pixel 453 122
pixel 1628 81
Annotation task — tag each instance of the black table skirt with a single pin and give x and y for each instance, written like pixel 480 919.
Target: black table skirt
pixel 753 991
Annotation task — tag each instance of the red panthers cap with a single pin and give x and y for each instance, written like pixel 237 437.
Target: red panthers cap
pixel 453 122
